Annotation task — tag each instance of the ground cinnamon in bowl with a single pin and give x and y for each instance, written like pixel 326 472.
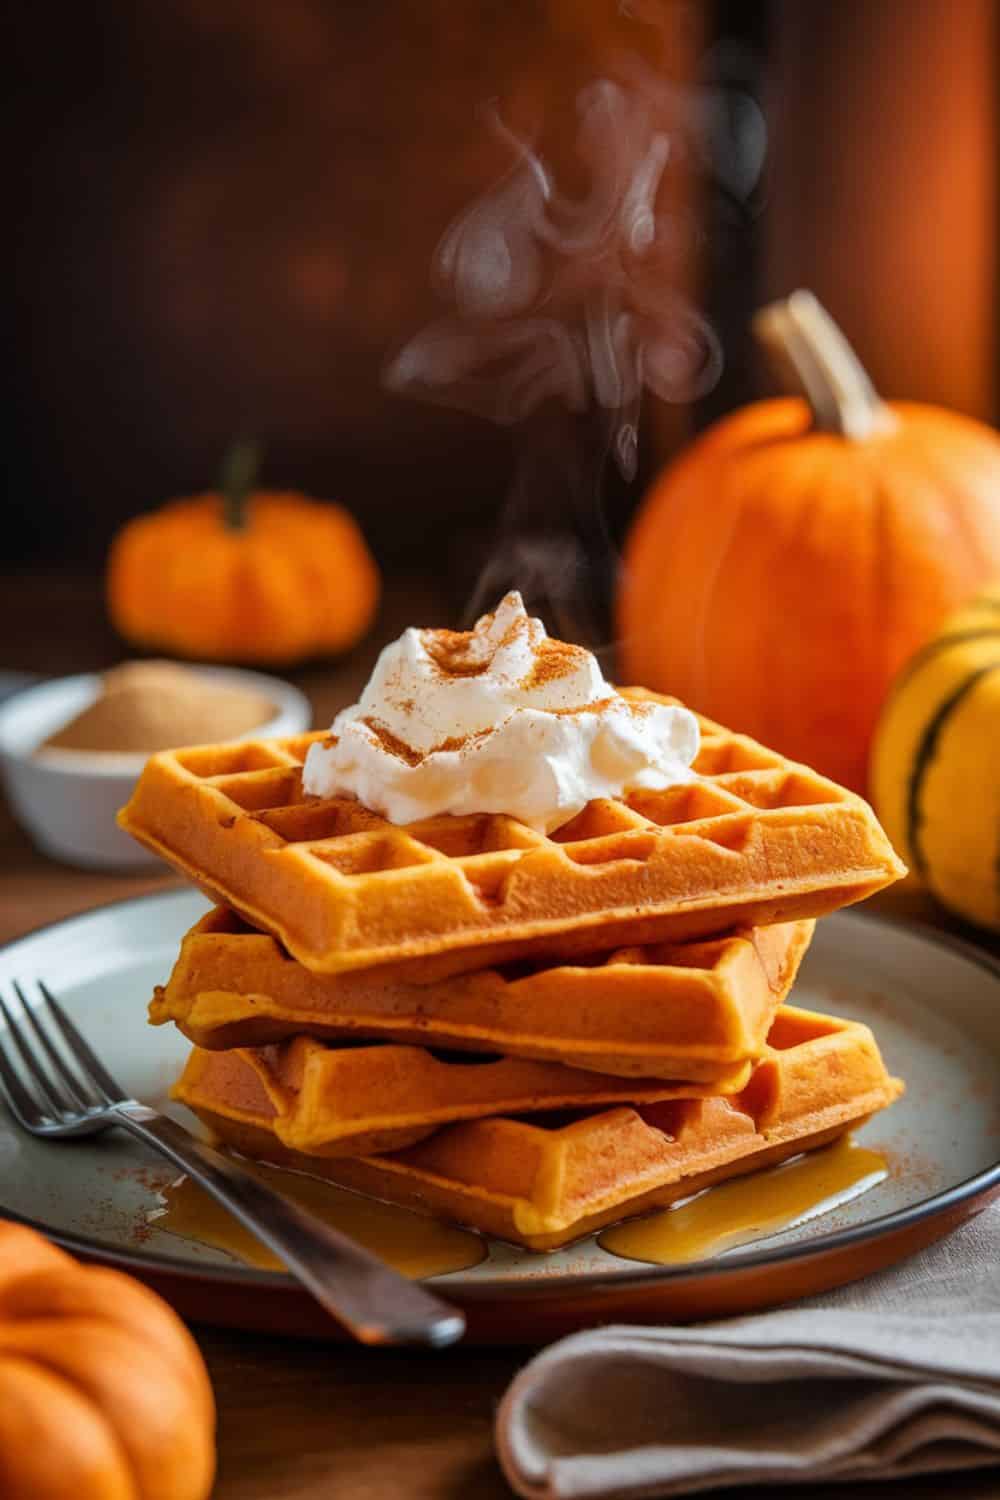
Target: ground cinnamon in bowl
pixel 144 706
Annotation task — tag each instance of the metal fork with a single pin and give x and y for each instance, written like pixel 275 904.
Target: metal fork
pixel 58 1096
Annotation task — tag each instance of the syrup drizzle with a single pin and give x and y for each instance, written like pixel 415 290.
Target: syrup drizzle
pixel 412 1243
pixel 720 1218
pixel 749 1208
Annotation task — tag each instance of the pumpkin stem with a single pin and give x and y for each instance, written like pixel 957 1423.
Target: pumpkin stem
pixel 237 479
pixel 811 356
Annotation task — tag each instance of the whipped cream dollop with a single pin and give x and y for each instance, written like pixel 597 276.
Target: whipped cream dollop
pixel 497 719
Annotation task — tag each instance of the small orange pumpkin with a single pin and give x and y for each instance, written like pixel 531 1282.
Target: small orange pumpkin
pixel 239 575
pixel 783 569
pixel 103 1394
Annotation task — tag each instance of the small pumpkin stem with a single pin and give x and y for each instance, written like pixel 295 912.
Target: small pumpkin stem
pixel 812 357
pixel 237 480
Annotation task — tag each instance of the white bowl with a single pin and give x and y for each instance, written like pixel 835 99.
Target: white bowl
pixel 67 799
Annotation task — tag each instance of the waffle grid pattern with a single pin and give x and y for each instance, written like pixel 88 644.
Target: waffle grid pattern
pixel 693 1011
pixel 359 1100
pixel 544 1182
pixel 753 839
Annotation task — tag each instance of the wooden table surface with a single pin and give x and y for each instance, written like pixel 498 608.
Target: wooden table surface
pixel 297 1421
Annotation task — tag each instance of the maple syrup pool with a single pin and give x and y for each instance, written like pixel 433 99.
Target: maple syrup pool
pixel 737 1212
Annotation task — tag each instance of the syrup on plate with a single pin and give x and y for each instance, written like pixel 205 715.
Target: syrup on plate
pixel 749 1208
pixel 411 1242
pixel 720 1218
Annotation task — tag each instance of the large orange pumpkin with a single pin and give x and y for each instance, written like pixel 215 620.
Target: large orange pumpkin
pixel 103 1394
pixel 242 575
pixel 781 571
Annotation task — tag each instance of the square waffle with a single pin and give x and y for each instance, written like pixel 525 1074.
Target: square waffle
pixel 543 1182
pixel 325 1100
pixel 754 839
pixel 691 1011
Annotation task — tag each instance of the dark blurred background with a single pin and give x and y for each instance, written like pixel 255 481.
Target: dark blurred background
pixel 223 212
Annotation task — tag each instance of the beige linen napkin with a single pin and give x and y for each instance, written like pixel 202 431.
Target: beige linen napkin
pixel 896 1375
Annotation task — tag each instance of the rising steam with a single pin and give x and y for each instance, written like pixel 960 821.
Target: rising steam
pixel 573 300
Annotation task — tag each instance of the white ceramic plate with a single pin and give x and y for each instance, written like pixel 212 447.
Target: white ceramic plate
pixel 934 1005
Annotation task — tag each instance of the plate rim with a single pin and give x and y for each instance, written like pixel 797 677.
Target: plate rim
pixel 639 1275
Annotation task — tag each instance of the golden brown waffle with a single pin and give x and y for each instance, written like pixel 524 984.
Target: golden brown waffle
pixel 546 1181
pixel 355 1100
pixel 754 840
pixel 692 1011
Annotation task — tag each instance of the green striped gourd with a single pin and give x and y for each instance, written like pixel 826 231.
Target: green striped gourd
pixel 936 762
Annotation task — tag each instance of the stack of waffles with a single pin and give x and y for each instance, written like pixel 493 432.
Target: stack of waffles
pixel 533 1035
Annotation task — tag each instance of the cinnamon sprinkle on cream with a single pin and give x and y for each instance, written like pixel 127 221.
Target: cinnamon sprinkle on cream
pixel 497 719
pixel 458 743
pixel 553 659
pixel 601 706
pixel 472 653
pixel 391 743
pixel 454 653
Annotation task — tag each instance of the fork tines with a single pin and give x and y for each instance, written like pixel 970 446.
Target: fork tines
pixel 60 1081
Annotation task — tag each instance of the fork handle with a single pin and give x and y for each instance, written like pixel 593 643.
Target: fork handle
pixel 377 1304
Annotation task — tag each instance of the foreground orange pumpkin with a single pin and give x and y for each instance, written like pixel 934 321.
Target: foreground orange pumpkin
pixel 240 575
pixel 103 1394
pixel 783 569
